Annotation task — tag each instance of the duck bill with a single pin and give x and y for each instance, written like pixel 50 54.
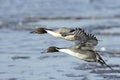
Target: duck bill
pixel 44 52
pixel 32 32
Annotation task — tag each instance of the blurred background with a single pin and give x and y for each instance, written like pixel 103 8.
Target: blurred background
pixel 21 55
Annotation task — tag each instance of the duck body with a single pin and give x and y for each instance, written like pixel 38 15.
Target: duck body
pixel 59 32
pixel 86 55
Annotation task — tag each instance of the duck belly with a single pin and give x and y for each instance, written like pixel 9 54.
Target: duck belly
pixel 75 54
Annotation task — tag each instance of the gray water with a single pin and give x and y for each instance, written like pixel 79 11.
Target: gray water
pixel 21 53
pixel 19 9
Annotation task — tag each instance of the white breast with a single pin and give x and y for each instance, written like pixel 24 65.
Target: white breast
pixel 70 52
pixel 53 33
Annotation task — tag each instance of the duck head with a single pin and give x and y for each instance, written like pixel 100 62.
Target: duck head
pixel 39 31
pixel 52 49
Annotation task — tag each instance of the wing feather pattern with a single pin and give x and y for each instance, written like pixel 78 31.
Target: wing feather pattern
pixel 82 39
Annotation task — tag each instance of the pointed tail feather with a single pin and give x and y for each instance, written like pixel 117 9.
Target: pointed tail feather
pixel 109 66
pixel 102 62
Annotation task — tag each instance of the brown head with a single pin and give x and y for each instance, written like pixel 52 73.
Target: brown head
pixel 39 31
pixel 52 49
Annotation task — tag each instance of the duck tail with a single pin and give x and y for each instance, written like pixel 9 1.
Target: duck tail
pixel 102 62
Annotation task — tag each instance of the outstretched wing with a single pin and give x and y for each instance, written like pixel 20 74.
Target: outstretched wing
pixel 92 40
pixel 82 39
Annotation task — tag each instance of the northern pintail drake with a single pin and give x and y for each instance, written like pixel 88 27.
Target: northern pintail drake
pixel 59 32
pixel 78 35
pixel 86 55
